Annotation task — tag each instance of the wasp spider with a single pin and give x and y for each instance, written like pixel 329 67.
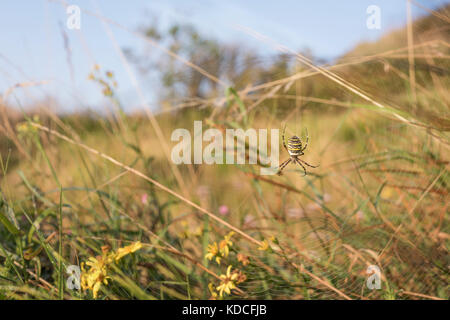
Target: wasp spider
pixel 295 149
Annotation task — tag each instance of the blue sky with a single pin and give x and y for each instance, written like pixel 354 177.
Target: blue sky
pixel 32 47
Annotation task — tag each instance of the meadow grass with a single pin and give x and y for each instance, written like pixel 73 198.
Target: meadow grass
pixel 83 186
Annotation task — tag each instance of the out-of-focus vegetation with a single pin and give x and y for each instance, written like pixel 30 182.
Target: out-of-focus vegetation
pixel 80 186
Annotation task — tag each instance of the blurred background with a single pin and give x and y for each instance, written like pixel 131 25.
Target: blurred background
pixel 37 45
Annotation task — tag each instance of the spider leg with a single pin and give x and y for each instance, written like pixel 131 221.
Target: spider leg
pixel 297 161
pixel 307 139
pixel 282 137
pixel 284 164
pixel 308 163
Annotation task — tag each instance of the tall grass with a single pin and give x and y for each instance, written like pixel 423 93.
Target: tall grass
pixel 74 187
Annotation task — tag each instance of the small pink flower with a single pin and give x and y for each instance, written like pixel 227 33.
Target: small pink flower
pixel 144 198
pixel 223 210
pixel 295 212
pixel 249 221
pixel 326 197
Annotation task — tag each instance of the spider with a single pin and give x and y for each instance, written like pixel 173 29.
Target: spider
pixel 295 150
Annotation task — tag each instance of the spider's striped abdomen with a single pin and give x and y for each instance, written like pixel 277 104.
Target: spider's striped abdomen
pixel 294 146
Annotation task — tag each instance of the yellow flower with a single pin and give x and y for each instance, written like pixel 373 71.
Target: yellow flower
pixel 225 244
pixel 121 252
pixel 220 251
pixel 189 232
pixel 227 282
pixel 97 274
pixel 213 292
pixel 24 128
pixel 229 235
pixel 213 251
pixel 93 278
pixel 264 245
